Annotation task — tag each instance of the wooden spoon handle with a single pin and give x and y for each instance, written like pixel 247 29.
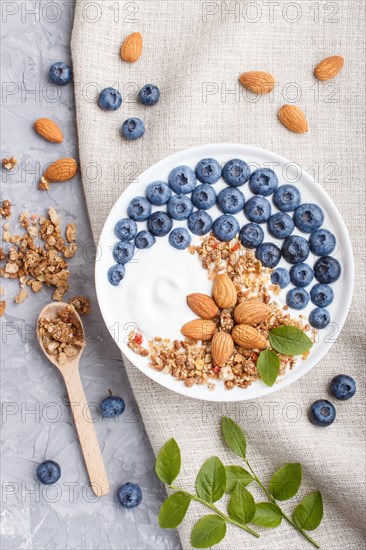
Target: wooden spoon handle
pixel 86 431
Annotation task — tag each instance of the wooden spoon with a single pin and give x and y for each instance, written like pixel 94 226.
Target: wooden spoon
pixel 79 405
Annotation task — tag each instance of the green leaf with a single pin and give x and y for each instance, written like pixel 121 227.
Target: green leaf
pixel 208 531
pixel 268 366
pixel 267 515
pixel 211 480
pixel 234 436
pixel 173 510
pixel 309 513
pixel 286 481
pixel 241 506
pixel 234 475
pixel 289 340
pixel 168 462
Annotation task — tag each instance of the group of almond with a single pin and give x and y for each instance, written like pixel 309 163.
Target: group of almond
pixel 291 116
pixel 246 316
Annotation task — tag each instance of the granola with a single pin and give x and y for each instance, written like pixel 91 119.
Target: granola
pixel 81 304
pixel 9 163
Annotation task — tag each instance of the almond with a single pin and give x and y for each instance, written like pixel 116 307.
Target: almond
pixel 329 67
pixel 61 170
pixel 248 337
pixel 202 305
pixel 224 291
pixel 222 347
pixel 257 82
pixel 131 48
pixel 48 129
pixel 293 119
pixel 199 329
pixel 251 313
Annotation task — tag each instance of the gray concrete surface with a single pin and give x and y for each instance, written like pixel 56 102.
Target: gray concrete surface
pixel 36 420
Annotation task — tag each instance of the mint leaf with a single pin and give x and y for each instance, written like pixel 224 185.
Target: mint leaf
pixel 309 513
pixel 168 462
pixel 234 436
pixel 286 481
pixel 173 510
pixel 289 340
pixel 234 475
pixel 268 366
pixel 267 515
pixel 241 506
pixel 211 480
pixel 208 531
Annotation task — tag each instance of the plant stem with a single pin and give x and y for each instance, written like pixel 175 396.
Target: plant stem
pixel 273 500
pixel 216 510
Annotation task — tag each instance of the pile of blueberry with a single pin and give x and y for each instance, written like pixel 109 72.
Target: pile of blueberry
pixel 188 195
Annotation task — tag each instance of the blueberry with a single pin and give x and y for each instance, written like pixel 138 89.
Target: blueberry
pixel 322 242
pixel 132 128
pixel 286 198
pixel 295 249
pixel 60 73
pixel 109 99
pixel 116 274
pixel 319 318
pixel 280 277
pixel 112 406
pixel 129 495
pixel 204 196
pixel 48 472
pixel 269 254
pixel 126 229
pixel 263 182
pixel 123 252
pixel 301 275
pixel 257 209
pixel 144 239
pixel 199 222
pixel 230 200
pixel 159 224
pixel 225 227
pixel 208 171
pixel 236 172
pixel 308 217
pixel 322 413
pixel 149 94
pixel 179 207
pixel 321 295
pixel 280 225
pixel 180 238
pixel 158 193
pixel 182 179
pixel 327 269
pixel 343 387
pixel 297 298
pixel 139 209
pixel 251 235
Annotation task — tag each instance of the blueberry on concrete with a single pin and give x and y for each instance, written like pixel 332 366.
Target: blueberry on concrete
pixel 60 73
pixel 112 406
pixel 129 495
pixel 48 472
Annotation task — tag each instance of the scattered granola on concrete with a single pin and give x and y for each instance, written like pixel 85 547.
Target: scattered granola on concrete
pixel 2 307
pixel 9 163
pixel 62 336
pixel 19 298
pixel 5 211
pixel 81 304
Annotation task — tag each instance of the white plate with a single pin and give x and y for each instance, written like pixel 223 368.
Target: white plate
pixel 130 305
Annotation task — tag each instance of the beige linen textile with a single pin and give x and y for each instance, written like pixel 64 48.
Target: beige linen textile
pixel 195 51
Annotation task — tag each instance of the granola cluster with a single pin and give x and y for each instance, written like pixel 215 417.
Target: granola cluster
pixel 62 336
pixel 10 163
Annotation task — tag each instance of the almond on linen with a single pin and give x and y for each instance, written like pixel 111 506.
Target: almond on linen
pixel 257 82
pixel 48 129
pixel 199 329
pixel 224 291
pixel 293 119
pixel 202 305
pixel 329 67
pixel 222 347
pixel 251 313
pixel 131 48
pixel 248 337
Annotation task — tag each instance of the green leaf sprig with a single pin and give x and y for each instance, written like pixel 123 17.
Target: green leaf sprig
pixel 287 340
pixel 214 479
